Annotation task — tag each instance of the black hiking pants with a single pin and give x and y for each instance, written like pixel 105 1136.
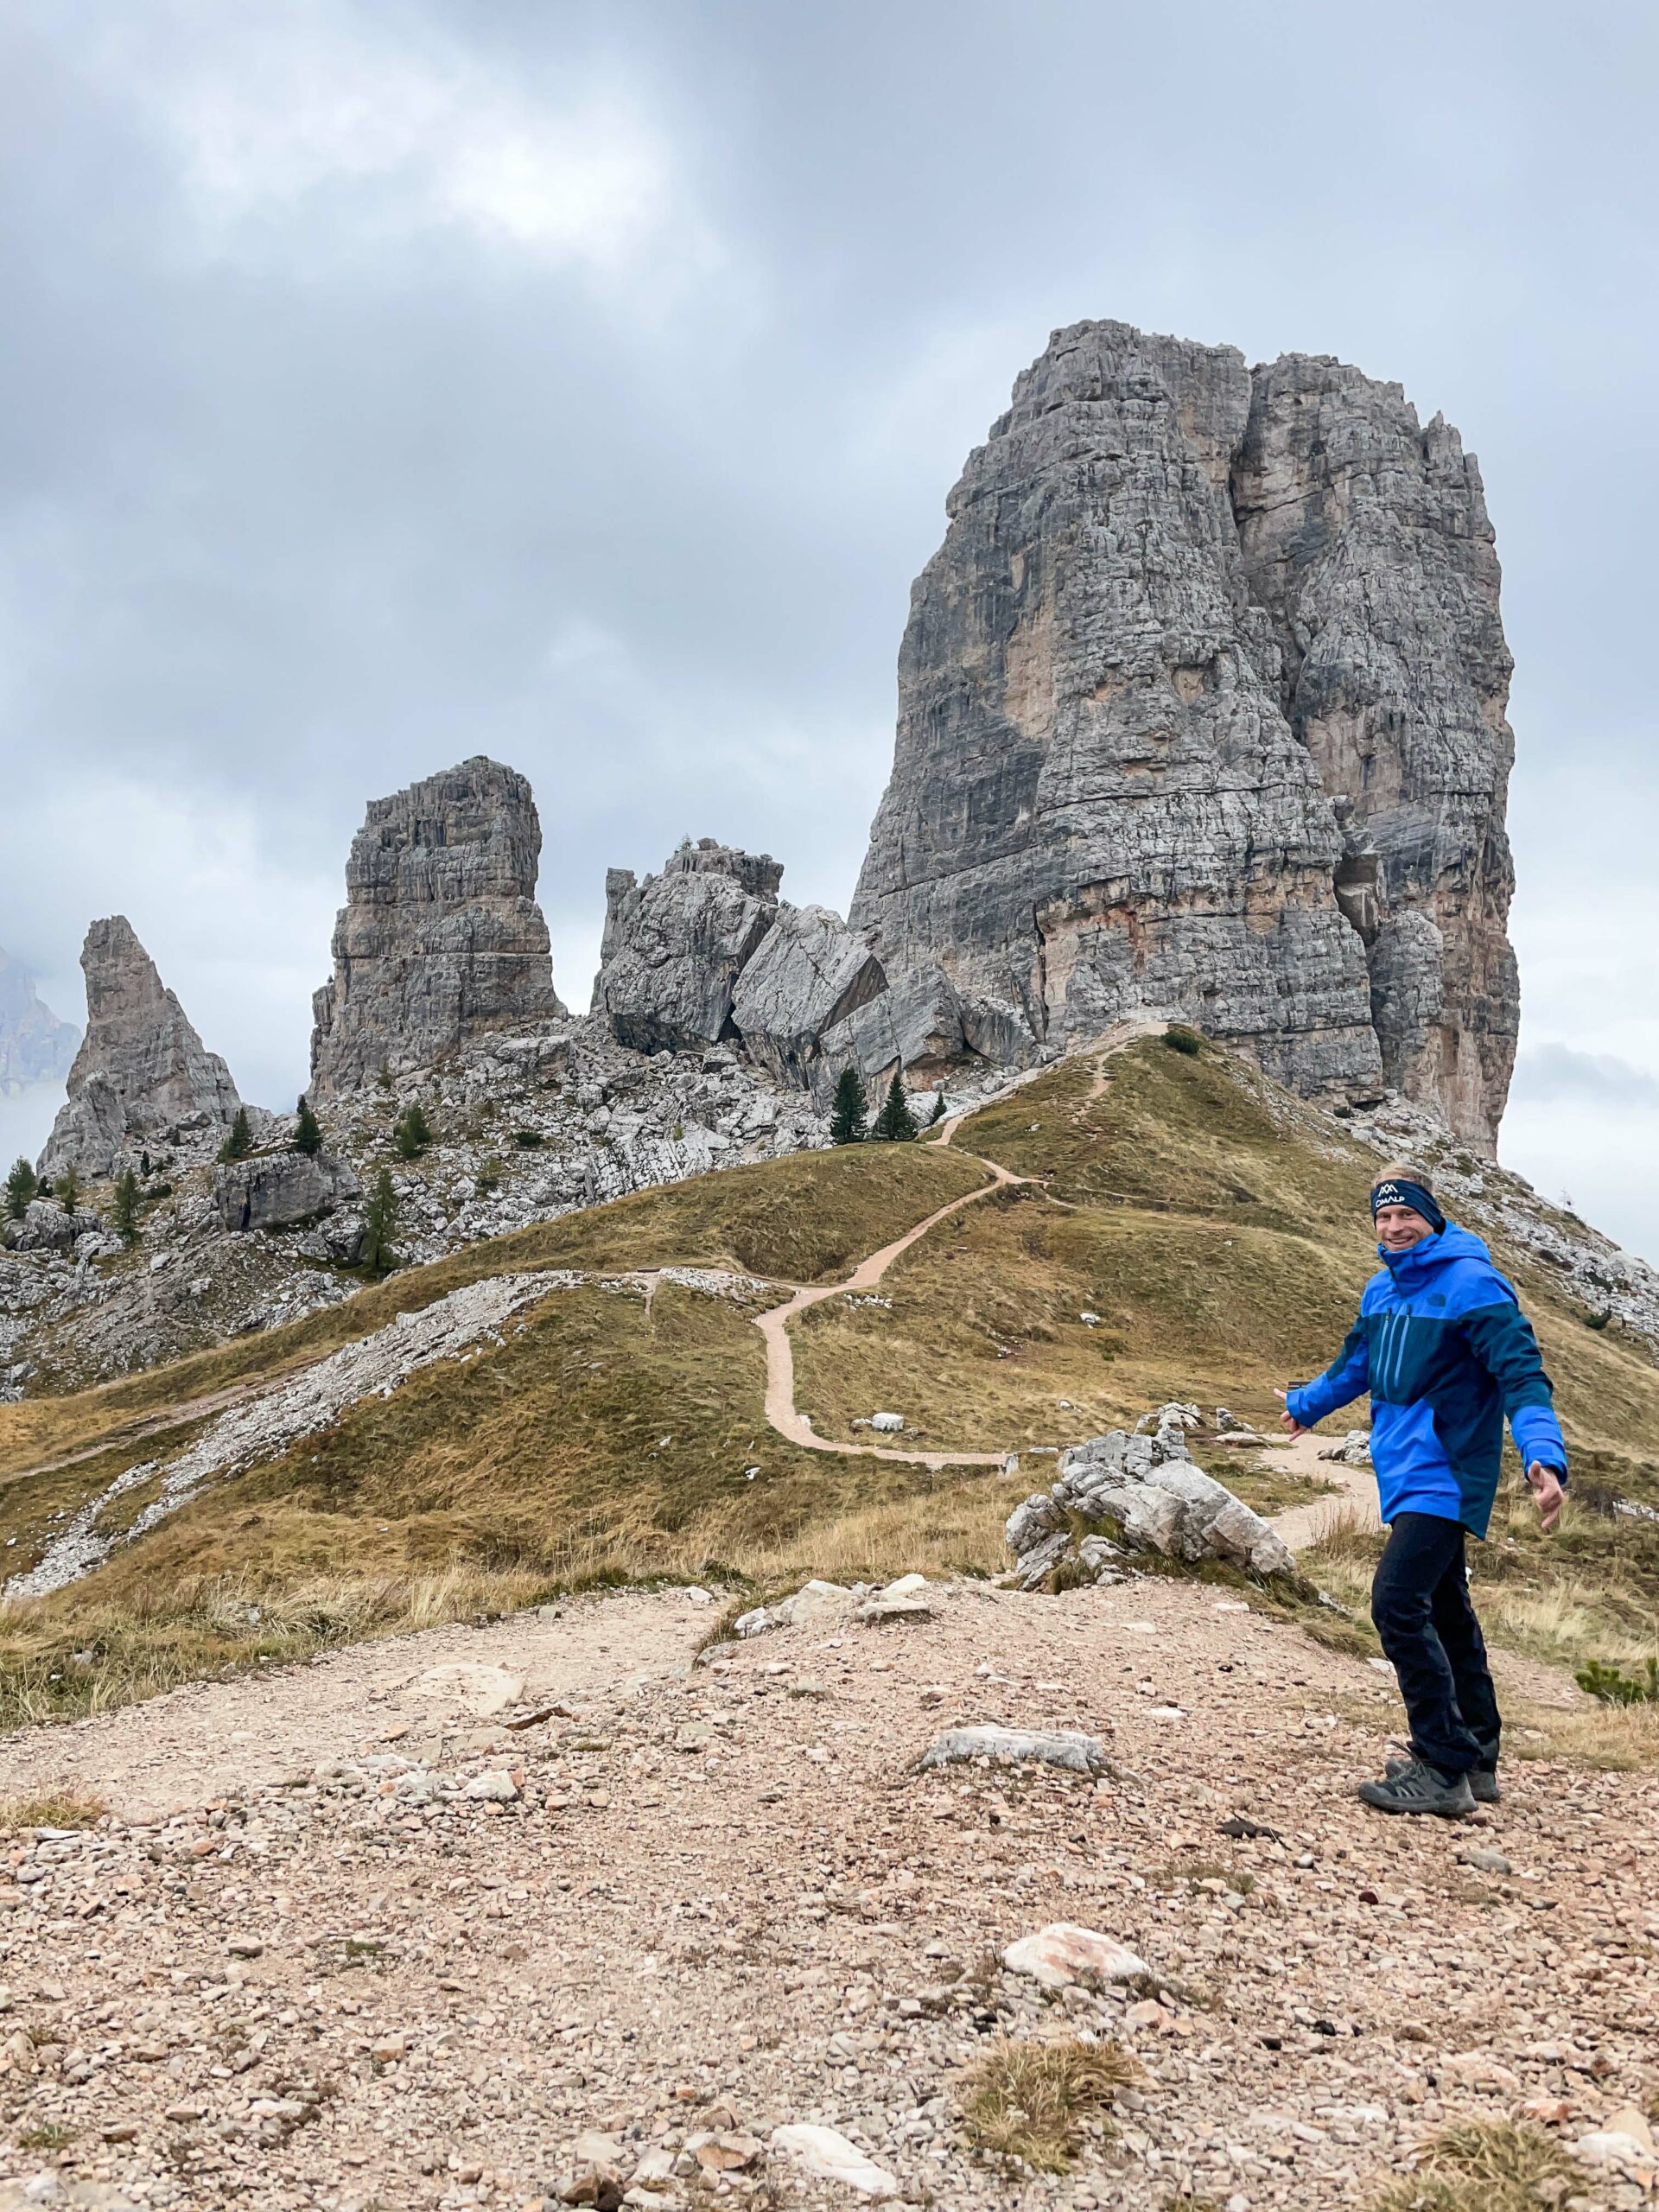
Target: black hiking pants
pixel 1419 1601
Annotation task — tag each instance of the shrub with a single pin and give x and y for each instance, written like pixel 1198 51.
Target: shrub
pixel 1181 1039
pixel 412 1132
pixel 530 1139
pixel 1614 1687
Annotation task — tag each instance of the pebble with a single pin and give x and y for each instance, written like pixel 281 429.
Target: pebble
pixel 1486 1861
pixel 493 1788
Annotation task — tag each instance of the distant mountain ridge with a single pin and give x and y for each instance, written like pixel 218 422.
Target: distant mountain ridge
pixel 36 1047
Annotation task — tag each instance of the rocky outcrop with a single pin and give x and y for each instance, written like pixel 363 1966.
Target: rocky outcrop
pixel 441 938
pixel 45 1227
pixel 142 1076
pixel 675 945
pixel 278 1190
pixel 809 973
pixel 707 951
pixel 1154 1496
pixel 1201 714
pixel 35 1046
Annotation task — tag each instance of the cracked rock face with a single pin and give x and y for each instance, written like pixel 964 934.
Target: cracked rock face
pixel 1365 538
pixel 1201 714
pixel 809 973
pixel 441 938
pixel 142 1076
pixel 675 945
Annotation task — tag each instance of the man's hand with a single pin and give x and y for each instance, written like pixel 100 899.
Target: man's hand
pixel 1291 1426
pixel 1546 1489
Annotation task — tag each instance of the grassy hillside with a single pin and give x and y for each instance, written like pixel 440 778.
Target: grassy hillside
pixel 804 1219
pixel 1219 1230
pixel 1213 1228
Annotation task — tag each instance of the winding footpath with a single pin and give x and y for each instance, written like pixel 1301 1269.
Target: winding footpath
pixel 782 1413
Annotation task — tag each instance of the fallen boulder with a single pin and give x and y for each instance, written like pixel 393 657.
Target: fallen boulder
pixel 1064 1953
pixel 1063 1747
pixel 281 1189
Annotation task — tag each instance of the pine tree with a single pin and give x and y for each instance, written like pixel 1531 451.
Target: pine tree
pixel 307 1131
pixel 239 1143
pixel 124 1214
pixel 412 1132
pixel 379 1227
pixel 20 1186
pixel 849 1116
pixel 69 1191
pixel 895 1124
pixel 937 1115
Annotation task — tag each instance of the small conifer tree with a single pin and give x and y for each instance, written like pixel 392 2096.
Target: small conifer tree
pixel 895 1124
pixel 937 1115
pixel 69 1191
pixel 124 1213
pixel 307 1130
pixel 22 1185
pixel 379 1227
pixel 849 1116
pixel 239 1143
pixel 412 1132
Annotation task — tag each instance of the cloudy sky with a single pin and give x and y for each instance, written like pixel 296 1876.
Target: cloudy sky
pixel 583 385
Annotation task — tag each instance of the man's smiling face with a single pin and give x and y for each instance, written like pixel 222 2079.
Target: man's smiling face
pixel 1398 1227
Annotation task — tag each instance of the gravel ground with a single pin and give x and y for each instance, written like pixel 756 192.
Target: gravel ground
pixel 295 1972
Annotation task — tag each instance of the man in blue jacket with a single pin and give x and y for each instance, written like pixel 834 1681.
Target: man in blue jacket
pixel 1445 1352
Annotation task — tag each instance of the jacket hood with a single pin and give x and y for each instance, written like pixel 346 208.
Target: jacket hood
pixel 1415 1266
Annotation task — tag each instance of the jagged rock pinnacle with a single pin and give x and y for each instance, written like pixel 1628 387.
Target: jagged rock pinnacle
pixel 439 938
pixel 142 1075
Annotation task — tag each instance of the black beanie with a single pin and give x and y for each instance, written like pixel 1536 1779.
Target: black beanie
pixel 1398 1192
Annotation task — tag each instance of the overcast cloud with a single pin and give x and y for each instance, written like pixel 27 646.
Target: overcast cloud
pixel 583 384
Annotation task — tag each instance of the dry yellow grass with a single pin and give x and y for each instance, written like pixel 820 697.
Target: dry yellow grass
pixel 1035 2102
pixel 808 1218
pixel 1483 2166
pixel 1210 1224
pixel 59 1808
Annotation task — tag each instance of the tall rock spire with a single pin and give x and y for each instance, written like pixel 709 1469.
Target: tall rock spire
pixel 142 1076
pixel 1178 607
pixel 439 938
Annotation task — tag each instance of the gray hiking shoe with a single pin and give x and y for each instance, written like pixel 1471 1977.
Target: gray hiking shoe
pixel 1411 1785
pixel 1482 1778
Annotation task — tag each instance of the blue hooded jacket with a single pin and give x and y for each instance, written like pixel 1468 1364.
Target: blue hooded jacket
pixel 1443 1349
